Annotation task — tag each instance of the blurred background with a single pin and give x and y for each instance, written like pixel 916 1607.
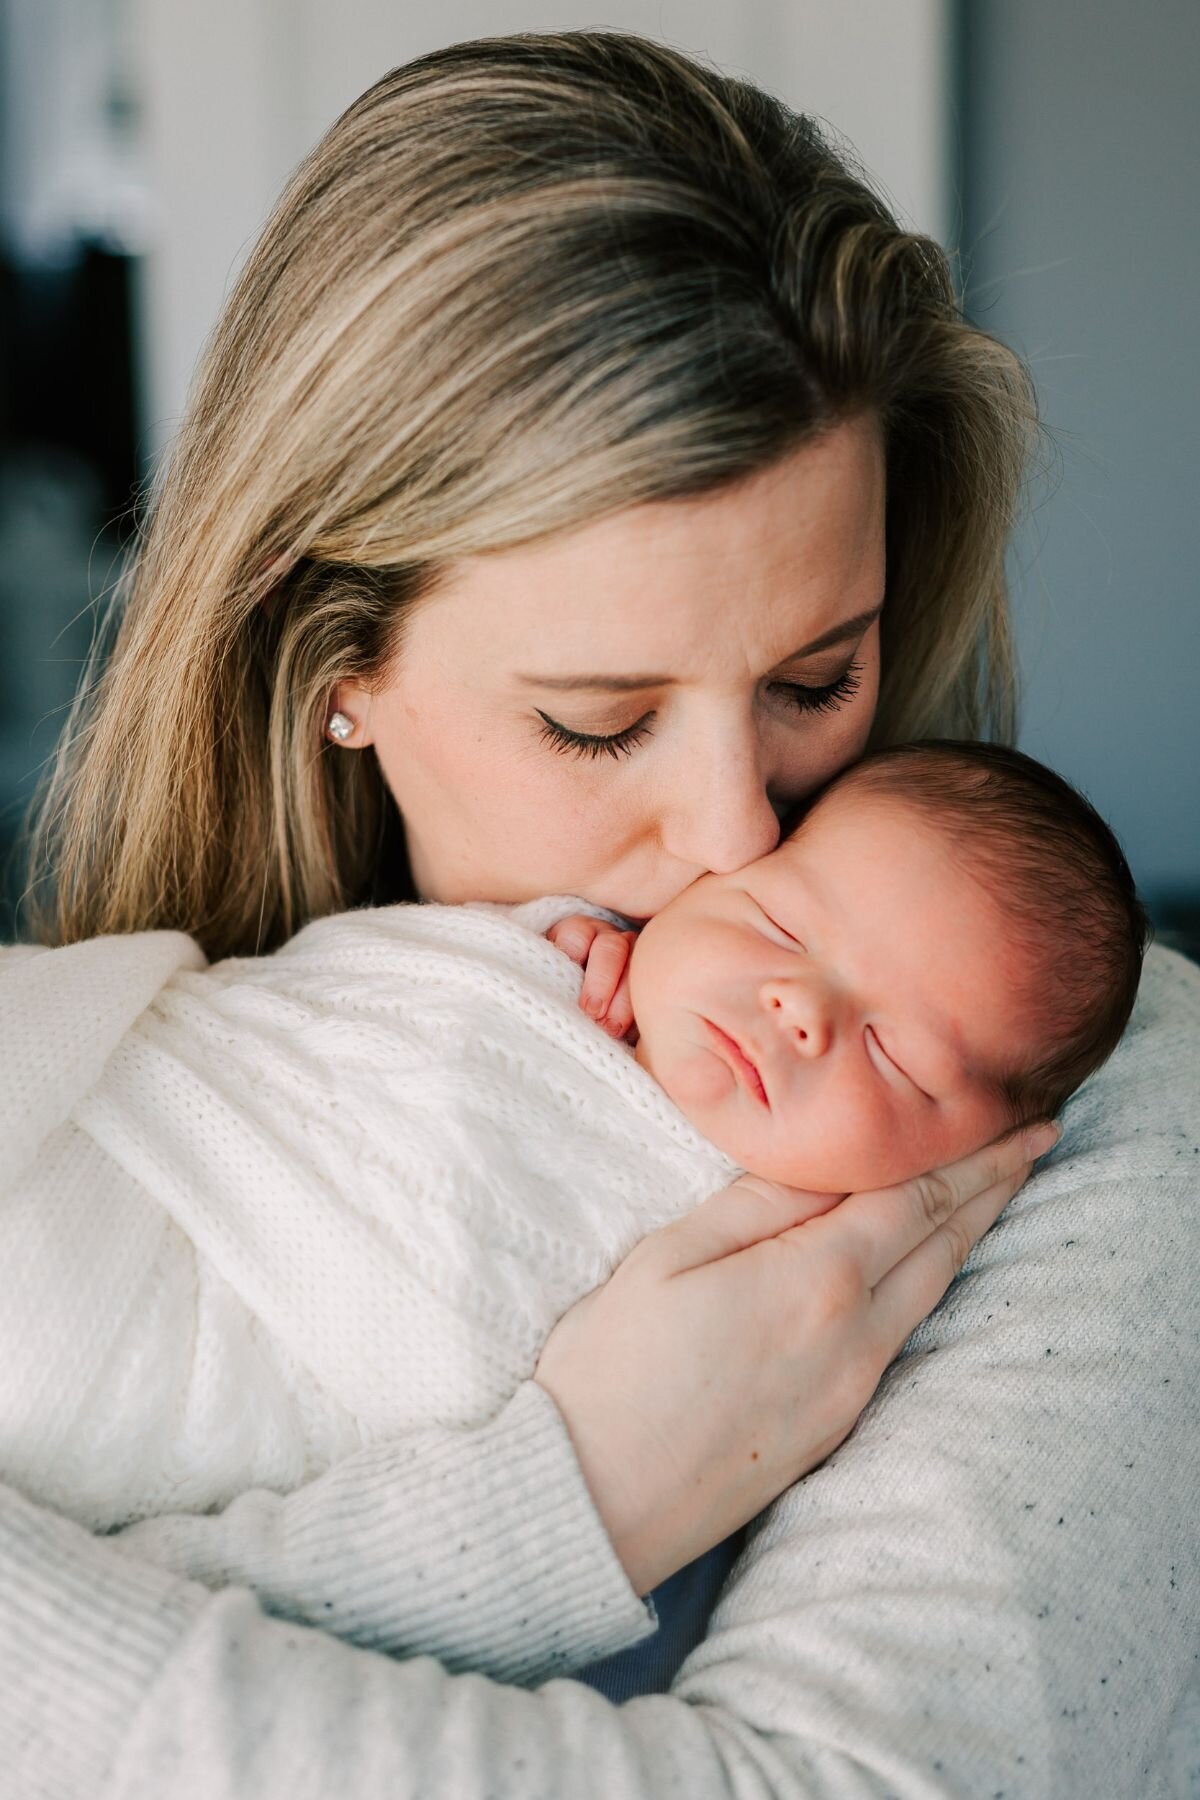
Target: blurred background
pixel 1054 149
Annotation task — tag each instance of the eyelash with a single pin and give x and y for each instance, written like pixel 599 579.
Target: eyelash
pixel 828 698
pixel 808 700
pixel 793 942
pixel 582 743
pixel 896 1066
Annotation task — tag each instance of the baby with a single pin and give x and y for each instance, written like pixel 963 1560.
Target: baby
pixel 314 1199
pixel 946 946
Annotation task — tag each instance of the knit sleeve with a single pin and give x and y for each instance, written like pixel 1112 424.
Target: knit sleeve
pixel 481 1547
pixel 121 1682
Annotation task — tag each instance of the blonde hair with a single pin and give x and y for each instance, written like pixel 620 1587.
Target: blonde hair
pixel 519 284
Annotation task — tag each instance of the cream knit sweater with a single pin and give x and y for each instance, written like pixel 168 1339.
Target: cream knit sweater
pixel 992 1587
pixel 313 1200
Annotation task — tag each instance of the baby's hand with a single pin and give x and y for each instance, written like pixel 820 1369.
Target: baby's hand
pixel 602 952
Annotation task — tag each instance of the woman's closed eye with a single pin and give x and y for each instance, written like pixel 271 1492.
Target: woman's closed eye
pixel 590 743
pixel 825 698
pixel 795 695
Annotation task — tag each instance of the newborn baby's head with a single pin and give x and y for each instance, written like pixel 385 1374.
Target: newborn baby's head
pixel 947 945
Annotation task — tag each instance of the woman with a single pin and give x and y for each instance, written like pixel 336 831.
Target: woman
pixel 539 491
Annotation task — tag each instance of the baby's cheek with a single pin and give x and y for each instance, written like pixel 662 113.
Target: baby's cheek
pixel 969 1130
pixel 847 1145
pixel 932 1138
pixel 695 1080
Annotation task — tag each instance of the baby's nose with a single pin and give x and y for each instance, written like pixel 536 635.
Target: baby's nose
pixel 802 1012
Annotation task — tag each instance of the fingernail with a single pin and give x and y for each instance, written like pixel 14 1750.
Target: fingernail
pixel 1041 1139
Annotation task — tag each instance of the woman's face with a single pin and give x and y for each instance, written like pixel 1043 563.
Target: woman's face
pixel 615 711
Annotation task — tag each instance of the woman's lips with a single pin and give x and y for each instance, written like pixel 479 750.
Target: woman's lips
pixel 739 1062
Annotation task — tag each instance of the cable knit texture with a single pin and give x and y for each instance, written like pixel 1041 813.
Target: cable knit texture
pixel 992 1588
pixel 302 1202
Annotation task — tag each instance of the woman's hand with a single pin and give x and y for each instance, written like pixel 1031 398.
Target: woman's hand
pixel 733 1350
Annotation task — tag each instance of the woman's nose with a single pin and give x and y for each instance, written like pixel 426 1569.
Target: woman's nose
pixel 720 816
pixel 802 1010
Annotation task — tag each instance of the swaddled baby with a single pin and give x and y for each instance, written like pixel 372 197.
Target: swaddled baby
pixel 316 1198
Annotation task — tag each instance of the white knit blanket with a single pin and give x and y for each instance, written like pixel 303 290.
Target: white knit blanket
pixel 255 1215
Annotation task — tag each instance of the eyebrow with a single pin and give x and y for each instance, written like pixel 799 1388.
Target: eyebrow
pixel 625 684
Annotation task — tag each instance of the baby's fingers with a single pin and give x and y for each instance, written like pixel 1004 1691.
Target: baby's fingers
pixel 606 965
pixel 619 1017
pixel 574 936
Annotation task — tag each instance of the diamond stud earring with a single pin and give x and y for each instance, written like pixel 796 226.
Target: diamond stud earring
pixel 340 727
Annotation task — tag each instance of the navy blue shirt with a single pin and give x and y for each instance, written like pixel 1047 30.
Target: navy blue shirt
pixel 683 1604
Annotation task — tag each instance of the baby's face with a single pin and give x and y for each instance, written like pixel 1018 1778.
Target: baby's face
pixel 835 1016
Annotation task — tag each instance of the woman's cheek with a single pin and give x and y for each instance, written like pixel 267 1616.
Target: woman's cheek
pixel 542 822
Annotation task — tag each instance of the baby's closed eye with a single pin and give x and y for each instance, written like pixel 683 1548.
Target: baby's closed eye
pixel 888 1062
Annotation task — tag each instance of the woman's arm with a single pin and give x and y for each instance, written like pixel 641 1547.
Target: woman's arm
pixel 756 1311
pixel 482 1547
pixel 121 1682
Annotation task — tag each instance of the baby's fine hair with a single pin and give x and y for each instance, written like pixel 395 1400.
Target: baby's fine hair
pixel 1057 874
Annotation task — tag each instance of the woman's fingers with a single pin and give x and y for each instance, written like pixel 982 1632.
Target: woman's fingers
pixel 879 1230
pixel 743 1214
pixel 913 1288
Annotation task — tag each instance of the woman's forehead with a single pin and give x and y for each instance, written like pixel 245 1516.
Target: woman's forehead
pixel 748 575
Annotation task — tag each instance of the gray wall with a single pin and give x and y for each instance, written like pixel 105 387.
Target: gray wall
pixel 1081 171
pixel 235 92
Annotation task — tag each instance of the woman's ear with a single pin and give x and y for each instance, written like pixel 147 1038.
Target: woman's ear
pixel 352 703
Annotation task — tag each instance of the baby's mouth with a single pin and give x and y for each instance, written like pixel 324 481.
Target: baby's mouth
pixel 739 1062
